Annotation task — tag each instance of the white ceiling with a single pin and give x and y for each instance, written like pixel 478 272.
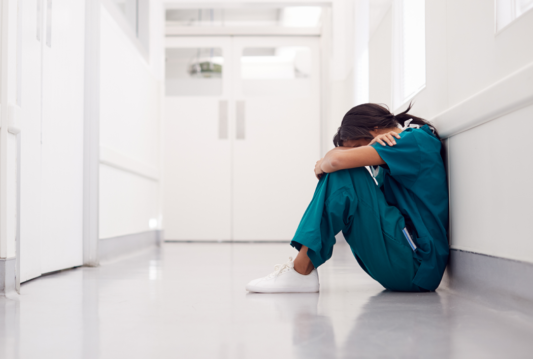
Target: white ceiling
pixel 253 15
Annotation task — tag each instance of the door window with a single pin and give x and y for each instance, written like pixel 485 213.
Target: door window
pixel 276 71
pixel 193 72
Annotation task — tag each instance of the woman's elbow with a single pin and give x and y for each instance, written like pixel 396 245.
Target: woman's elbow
pixel 334 164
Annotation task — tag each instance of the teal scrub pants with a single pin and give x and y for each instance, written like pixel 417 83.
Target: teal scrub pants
pixel 351 202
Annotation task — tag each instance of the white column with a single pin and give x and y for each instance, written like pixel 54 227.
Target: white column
pixel 91 136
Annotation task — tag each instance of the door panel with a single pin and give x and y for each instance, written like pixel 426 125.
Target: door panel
pixel 274 161
pixel 273 168
pixel 197 144
pixel 62 136
pixel 30 177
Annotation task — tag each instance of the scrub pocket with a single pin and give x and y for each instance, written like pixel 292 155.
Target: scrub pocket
pixel 397 267
pixel 409 239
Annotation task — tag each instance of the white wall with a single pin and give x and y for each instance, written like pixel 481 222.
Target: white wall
pixel 337 80
pixel 380 58
pixel 491 169
pixel 129 129
pixel 491 178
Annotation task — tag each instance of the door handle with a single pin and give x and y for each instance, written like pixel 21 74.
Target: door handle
pixel 240 120
pixel 223 120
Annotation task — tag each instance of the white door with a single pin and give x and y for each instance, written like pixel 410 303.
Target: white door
pixel 276 92
pixel 51 101
pixel 30 111
pixel 197 144
pixel 62 135
pixel 240 147
pixel 51 108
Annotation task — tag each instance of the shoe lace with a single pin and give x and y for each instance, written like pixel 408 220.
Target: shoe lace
pixel 282 268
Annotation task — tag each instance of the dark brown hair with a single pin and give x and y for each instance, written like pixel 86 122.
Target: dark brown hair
pixel 361 119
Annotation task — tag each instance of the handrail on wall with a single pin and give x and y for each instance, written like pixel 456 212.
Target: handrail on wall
pixel 113 158
pixel 504 96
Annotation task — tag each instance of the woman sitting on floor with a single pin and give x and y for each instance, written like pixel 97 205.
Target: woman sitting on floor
pixel 394 221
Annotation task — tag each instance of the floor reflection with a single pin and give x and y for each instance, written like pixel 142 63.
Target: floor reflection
pixel 9 326
pixel 190 303
pixel 312 333
pixel 389 325
pixel 90 317
pixel 405 325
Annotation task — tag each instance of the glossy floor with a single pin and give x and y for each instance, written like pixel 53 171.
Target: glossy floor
pixel 188 301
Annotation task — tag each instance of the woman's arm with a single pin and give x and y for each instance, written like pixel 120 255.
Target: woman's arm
pixel 341 159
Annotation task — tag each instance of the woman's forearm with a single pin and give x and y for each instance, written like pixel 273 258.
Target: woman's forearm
pixel 330 160
pixel 345 158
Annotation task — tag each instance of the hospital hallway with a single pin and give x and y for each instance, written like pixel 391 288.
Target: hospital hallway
pixel 187 300
pixel 157 157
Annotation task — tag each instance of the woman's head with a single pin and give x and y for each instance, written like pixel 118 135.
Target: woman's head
pixel 363 122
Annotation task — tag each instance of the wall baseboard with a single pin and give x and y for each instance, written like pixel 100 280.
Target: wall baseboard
pixel 8 272
pixel 500 283
pixel 116 247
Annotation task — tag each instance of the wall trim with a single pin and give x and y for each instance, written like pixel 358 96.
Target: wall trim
pixel 176 30
pixel 116 247
pixel 8 268
pixel 497 282
pixel 504 96
pixel 113 158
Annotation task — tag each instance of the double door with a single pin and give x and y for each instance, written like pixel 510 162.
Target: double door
pixel 241 136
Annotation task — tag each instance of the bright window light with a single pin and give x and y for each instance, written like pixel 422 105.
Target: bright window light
pixel 409 44
pixel 286 62
pixel 301 16
pixel 362 78
pixel 507 11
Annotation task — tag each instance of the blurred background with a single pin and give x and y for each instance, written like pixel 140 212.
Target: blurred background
pixel 131 122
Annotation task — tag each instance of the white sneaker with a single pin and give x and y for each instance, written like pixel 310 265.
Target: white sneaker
pixel 285 279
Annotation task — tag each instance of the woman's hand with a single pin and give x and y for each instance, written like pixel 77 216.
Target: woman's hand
pixel 386 137
pixel 318 169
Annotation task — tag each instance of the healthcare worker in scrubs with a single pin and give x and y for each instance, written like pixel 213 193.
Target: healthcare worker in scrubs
pixel 394 220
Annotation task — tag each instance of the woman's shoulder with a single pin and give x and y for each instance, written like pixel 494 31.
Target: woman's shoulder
pixel 427 132
pixel 423 135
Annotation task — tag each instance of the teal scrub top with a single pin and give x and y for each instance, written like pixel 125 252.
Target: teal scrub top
pixel 414 181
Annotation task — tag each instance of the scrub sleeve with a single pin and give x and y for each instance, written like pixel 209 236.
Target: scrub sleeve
pixel 349 201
